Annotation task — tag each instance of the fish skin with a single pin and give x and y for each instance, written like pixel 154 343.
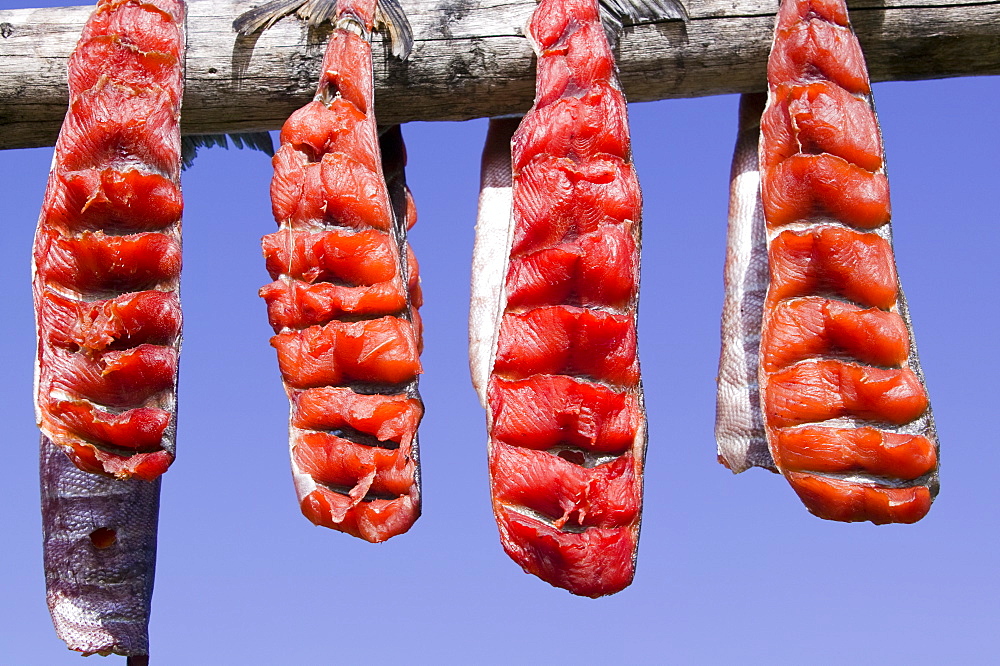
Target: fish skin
pixel 843 400
pixel 343 303
pixel 739 424
pixel 552 323
pixel 492 249
pixel 99 597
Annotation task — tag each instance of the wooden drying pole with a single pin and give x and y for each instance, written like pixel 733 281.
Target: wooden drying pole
pixel 471 60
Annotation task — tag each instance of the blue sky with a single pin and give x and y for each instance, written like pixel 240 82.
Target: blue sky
pixel 731 569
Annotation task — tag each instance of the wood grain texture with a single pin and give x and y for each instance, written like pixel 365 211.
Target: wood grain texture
pixel 471 59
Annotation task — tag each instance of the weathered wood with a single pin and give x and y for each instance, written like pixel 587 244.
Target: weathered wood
pixel 471 59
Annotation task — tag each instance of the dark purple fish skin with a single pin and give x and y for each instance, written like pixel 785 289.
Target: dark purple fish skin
pixel 99 539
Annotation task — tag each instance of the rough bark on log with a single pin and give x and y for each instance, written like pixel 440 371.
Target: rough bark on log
pixel 471 59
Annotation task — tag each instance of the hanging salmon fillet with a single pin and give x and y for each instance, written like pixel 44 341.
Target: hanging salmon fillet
pixel 553 314
pixel 106 272
pixel 344 296
pixel 818 355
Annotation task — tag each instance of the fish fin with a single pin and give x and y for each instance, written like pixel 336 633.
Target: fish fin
pixel 190 143
pixel 314 12
pixel 617 14
pixel 263 17
pixel 390 15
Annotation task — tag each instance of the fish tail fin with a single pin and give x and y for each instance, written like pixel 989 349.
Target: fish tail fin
pixel 389 14
pixel 617 14
pixel 263 17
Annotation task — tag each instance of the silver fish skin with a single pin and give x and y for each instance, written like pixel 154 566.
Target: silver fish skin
pixel 99 547
pixel 494 233
pixel 739 425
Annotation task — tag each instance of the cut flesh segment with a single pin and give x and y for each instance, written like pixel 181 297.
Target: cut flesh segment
pixel 362 258
pixel 822 390
pixel 317 129
pixel 292 304
pixel 117 125
pixel 849 502
pixel 93 262
pixel 814 326
pixel 373 520
pixel 339 190
pixel 822 117
pixel 817 50
pixel 562 199
pixel 364 470
pixel 587 127
pixel 117 57
pixel 157 27
pixel 598 268
pixel 568 341
pixel 151 317
pixel 377 351
pixel 602 496
pixel 830 260
pixel 553 26
pixel 387 419
pixel 118 379
pixel 547 411
pixel 111 200
pixel 590 563
pixel 834 450
pixel 804 186
pixel 139 429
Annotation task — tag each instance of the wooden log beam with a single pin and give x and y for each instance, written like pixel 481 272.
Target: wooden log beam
pixel 471 59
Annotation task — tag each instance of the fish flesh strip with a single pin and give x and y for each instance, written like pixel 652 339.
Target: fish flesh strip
pixel 553 320
pixel 818 353
pixel 107 253
pixel 344 297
